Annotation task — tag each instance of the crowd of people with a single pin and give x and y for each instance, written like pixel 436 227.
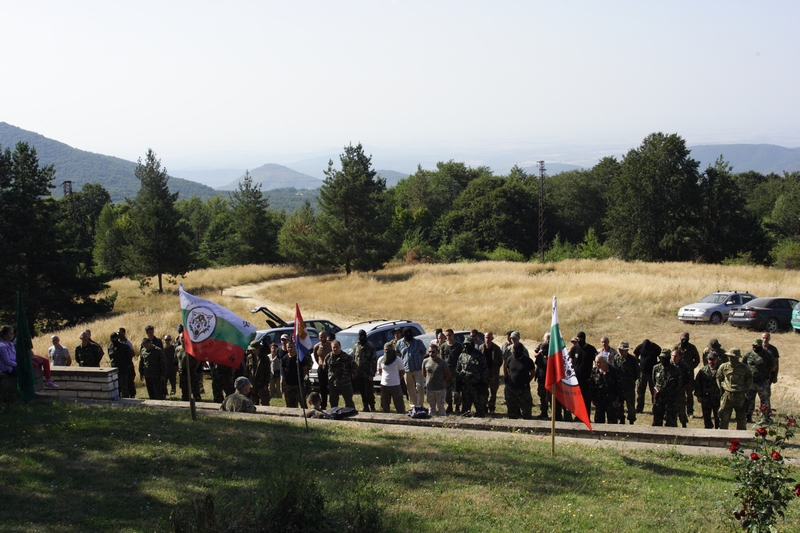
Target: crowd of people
pixel 453 377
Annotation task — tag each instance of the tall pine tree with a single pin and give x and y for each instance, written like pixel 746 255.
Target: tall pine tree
pixel 157 244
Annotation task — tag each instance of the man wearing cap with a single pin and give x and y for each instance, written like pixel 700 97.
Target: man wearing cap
pixel 628 367
pixel 707 391
pixel 257 371
pixel 412 352
pixel 450 351
pixel 761 365
pixel 647 353
pixel 366 360
pixel 321 351
pixel 473 375
pixel 436 373
pixel 734 379
pixel 666 386
pixel 87 353
pixel 238 402
pixel 341 370
pixel 714 346
pixel 152 369
pixel 120 357
pixel 494 360
pixel 520 370
pixel 691 357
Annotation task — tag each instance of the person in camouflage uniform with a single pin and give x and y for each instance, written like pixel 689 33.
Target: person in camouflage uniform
pixel 686 384
pixel 152 369
pixel 628 366
pixel 666 386
pixel 120 356
pixel 88 353
pixel 172 368
pixel 221 381
pixel 707 391
pixel 450 350
pixel 239 402
pixel 540 361
pixel 494 360
pixel 366 360
pixel 714 346
pixel 691 357
pixel 605 390
pixel 257 367
pixel 187 371
pixel 341 369
pixel 761 366
pixel 734 379
pixel 473 374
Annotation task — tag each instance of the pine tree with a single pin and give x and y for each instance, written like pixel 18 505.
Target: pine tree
pixel 158 244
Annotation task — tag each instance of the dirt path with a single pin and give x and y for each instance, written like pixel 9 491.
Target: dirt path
pixel 259 292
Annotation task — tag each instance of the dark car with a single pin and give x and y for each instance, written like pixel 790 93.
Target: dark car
pixel 274 321
pixel 770 314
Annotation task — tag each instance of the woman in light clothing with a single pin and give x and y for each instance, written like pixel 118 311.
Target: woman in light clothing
pixel 390 368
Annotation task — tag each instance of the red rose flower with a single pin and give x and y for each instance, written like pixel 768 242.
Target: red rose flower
pixel 734 442
pixel 791 422
pixel 797 492
pixel 754 456
pixel 733 448
pixel 776 456
pixel 761 432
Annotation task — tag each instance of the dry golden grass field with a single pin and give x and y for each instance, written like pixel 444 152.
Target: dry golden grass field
pixel 626 301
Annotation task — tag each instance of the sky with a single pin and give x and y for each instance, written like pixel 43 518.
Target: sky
pixel 240 83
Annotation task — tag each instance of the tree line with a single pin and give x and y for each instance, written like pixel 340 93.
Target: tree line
pixel 653 204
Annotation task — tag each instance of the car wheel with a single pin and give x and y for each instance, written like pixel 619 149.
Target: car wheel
pixel 772 325
pixel 716 318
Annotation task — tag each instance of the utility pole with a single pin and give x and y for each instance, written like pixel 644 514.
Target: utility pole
pixel 542 230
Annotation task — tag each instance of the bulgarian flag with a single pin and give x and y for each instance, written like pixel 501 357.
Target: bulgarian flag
pixel 213 333
pixel 561 374
pixel 302 341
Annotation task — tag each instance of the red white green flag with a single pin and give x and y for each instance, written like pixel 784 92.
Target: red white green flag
pixel 213 333
pixel 561 374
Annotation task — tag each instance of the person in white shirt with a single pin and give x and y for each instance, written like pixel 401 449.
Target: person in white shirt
pixel 390 368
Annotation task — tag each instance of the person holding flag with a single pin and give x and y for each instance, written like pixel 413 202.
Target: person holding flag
pixel 561 379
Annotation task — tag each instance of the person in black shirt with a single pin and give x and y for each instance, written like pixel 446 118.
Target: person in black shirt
pixel 520 370
pixel 291 377
pixel 648 353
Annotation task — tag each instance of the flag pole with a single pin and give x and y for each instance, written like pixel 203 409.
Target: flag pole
pixel 553 420
pixel 192 405
pixel 300 382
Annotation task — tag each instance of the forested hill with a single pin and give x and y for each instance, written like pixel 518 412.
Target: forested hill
pixel 114 174
pixel 762 158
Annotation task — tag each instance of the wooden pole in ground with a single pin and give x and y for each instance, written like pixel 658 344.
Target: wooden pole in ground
pixel 553 421
pixel 192 406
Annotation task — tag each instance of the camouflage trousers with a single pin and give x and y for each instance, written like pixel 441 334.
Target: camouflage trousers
pixel 476 395
pixel 346 391
pixel 729 402
pixel 665 407
pixel 764 390
pixel 494 384
pixel 453 397
pixel 185 388
pixel 291 395
pixel 519 402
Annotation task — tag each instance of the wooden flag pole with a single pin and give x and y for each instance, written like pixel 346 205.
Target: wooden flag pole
pixel 553 420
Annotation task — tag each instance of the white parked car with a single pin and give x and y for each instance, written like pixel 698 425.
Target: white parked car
pixel 714 308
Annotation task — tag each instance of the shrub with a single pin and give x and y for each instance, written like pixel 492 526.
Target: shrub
pixel 786 254
pixel 763 485
pixel 560 250
pixel 504 254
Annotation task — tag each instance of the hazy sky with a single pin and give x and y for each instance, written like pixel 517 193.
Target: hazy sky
pixel 213 84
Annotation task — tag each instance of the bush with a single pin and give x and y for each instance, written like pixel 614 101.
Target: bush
pixel 560 250
pixel 743 258
pixel 504 254
pixel 786 254
pixel 461 248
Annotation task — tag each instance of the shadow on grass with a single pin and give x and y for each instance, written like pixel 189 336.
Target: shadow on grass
pixel 102 469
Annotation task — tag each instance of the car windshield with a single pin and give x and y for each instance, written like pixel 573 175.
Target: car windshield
pixel 348 340
pixel 716 298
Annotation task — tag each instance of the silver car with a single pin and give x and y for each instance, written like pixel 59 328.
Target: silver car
pixel 714 308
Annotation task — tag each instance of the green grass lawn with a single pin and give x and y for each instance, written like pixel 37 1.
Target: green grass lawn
pixel 72 468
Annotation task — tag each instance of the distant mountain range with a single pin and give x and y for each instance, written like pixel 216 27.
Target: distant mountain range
pixel 551 169
pixel 79 167
pixel 272 176
pixel 763 158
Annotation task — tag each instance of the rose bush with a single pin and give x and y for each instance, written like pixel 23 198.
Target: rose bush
pixel 763 484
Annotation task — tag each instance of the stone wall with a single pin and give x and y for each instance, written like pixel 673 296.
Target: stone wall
pixel 82 382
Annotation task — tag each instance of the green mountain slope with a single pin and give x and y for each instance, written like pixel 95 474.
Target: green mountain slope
pixel 79 167
pixel 272 176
